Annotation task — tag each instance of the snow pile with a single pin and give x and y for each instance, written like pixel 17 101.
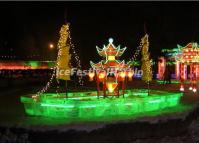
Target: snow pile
pixel 192 136
pixel 194 130
pixel 9 137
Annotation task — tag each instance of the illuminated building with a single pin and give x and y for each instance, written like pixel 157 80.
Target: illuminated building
pixel 186 61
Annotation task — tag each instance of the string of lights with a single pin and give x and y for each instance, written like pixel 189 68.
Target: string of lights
pixel 137 52
pixel 76 57
pixel 61 43
pixel 13 57
pixel 44 89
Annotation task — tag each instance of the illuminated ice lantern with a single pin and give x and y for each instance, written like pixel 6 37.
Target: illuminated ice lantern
pixel 188 57
pixel 111 83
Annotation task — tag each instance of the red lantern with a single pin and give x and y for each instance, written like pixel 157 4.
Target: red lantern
pixel 130 75
pixel 91 75
pixel 101 76
pixel 122 74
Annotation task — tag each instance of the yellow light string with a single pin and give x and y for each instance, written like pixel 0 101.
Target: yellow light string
pixel 76 57
pixel 44 89
pixel 136 53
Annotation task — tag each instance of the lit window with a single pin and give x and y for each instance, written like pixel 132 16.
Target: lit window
pixel 111 58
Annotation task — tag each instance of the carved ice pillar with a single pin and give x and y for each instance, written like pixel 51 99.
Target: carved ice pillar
pixel 182 75
pixel 161 67
pixel 194 79
pixel 197 72
pixel 177 70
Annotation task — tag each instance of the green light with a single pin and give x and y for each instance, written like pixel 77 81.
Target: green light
pixel 172 82
pixel 171 62
pixel 89 107
pixel 33 64
pixel 135 63
pixel 51 64
pixel 59 106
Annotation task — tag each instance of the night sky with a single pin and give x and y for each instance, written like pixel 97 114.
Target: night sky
pixel 26 29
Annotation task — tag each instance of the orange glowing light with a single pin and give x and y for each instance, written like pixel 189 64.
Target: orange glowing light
pixel 101 75
pixel 111 86
pixel 130 75
pixel 122 74
pixel 51 46
pixel 91 75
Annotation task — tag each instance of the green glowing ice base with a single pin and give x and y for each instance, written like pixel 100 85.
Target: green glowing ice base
pixel 86 105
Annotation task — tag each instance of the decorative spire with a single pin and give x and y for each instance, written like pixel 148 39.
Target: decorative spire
pixel 110 50
pixel 110 40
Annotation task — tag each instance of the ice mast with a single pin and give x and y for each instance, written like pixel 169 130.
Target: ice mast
pixel 146 62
